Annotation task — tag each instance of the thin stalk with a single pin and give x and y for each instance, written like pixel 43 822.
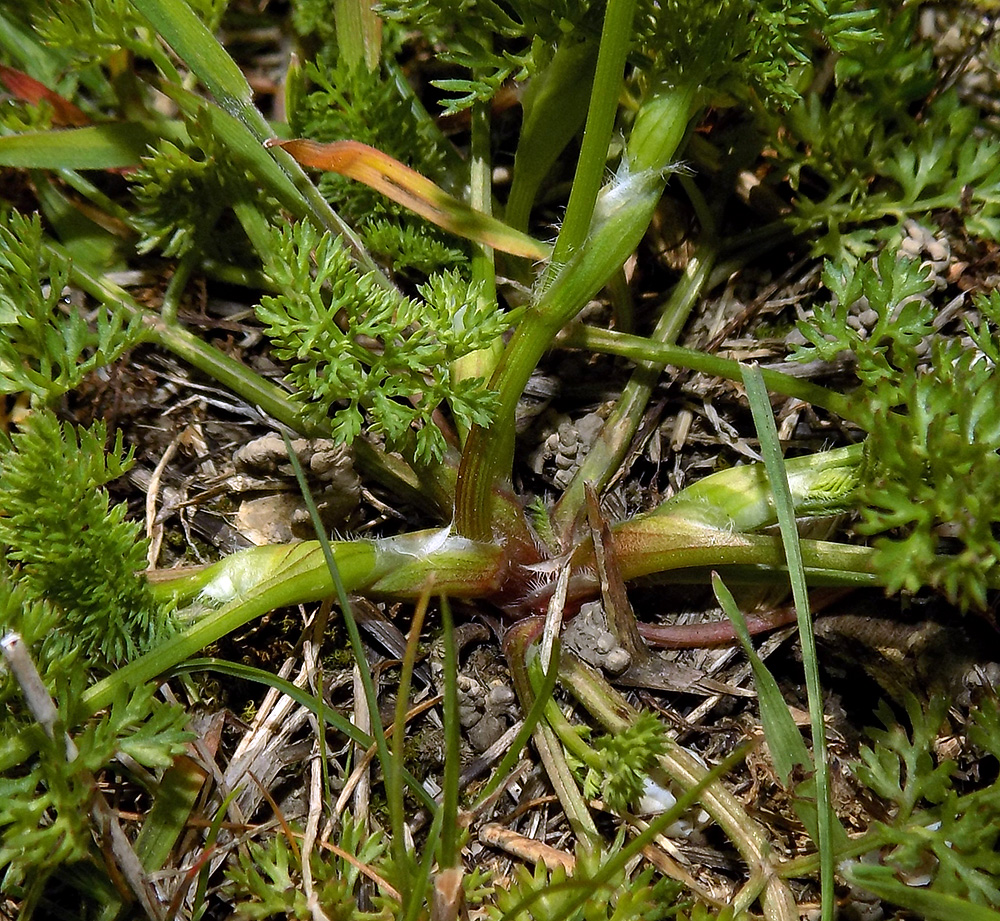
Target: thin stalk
pixel 108 205
pixel 394 776
pixel 481 195
pixel 385 468
pixel 414 907
pixel 619 429
pixel 481 363
pixel 608 77
pixel 237 275
pixel 488 456
pixel 808 864
pixel 760 406
pixel 517 645
pixel 569 737
pixel 638 349
pixel 616 227
pixel 618 862
pixel 543 693
pixel 175 288
pixel 293 574
pixel 555 108
pixel 615 713
pixel 397 819
pixel 645 551
pixel 449 852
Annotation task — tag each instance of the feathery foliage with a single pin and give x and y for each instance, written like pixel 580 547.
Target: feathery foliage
pixel 929 409
pixel 358 348
pixel 75 550
pixel 550 894
pixel 351 103
pixel 47 347
pixel 491 42
pixel 936 828
pixel 624 761
pixel 865 157
pixel 381 357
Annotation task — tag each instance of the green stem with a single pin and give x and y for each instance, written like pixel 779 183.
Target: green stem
pixel 749 837
pixel 646 547
pixel 489 453
pixel 237 275
pixel 400 569
pixel 517 644
pixel 619 429
pixel 617 224
pixel 448 855
pixel 740 498
pixel 608 76
pixel 482 362
pixel 291 574
pixel 555 107
pixel 109 206
pixel 676 550
pixel 393 766
pixel 640 349
pixel 385 468
pixel 175 289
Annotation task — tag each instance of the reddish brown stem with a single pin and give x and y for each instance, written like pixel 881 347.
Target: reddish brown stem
pixel 720 632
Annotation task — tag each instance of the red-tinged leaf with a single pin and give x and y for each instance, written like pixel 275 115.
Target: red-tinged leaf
pixel 410 189
pixel 30 90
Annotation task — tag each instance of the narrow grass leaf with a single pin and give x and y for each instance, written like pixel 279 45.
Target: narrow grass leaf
pixel 448 856
pixel 86 241
pixel 359 32
pixel 194 44
pixel 760 406
pixel 175 799
pixel 617 862
pixel 112 146
pixel 555 108
pixel 542 695
pixel 397 820
pixel 206 865
pixel 300 696
pixel 22 45
pixel 197 47
pixel 394 777
pixel 783 737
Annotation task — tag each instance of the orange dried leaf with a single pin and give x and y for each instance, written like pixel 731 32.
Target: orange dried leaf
pixel 407 187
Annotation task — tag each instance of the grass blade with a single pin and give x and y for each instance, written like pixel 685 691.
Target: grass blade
pixel 760 406
pixel 197 47
pixel 783 737
pixel 397 819
pixel 95 147
pixel 305 699
pixel 448 856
